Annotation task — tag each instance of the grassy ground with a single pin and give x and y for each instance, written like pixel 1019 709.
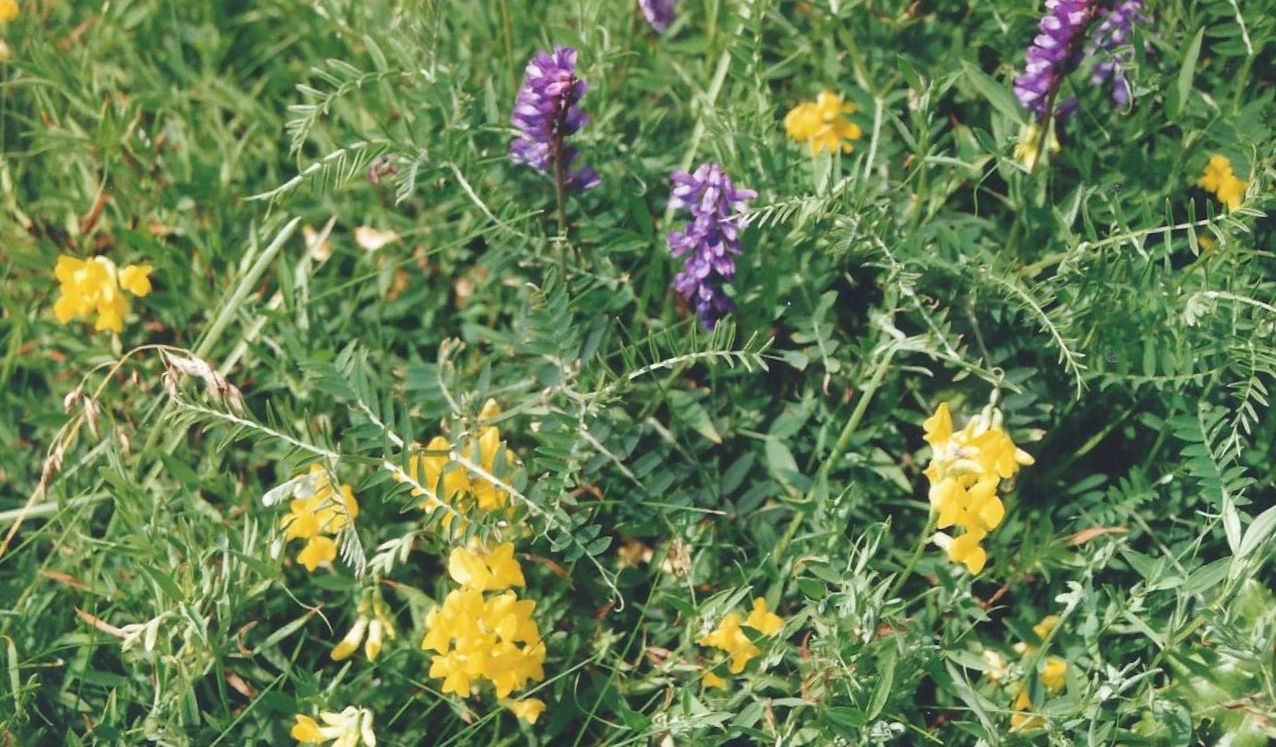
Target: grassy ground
pixel 346 263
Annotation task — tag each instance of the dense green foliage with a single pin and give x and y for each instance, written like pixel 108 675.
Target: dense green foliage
pixel 1121 318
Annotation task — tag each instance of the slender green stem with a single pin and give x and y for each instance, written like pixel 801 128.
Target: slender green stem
pixel 839 448
pixel 922 540
pixel 560 195
pixel 508 33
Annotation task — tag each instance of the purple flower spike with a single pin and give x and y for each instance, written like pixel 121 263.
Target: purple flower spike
pixel 1055 52
pixel 660 13
pixel 712 239
pixel 546 113
pixel 1113 38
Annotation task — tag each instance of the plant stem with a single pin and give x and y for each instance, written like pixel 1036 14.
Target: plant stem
pixel 913 559
pixel 508 33
pixel 839 448
pixel 560 195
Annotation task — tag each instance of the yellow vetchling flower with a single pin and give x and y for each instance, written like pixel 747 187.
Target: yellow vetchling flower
pixel 318 518
pixel 8 11
pixel 478 638
pixel 1054 674
pixel 1220 179
pixel 1022 718
pixel 374 621
pixel 452 483
pixel 96 286
pixel 529 710
pixel 1053 677
pixel 1028 149
pixel 965 471
pixel 493 572
pixel 345 729
pixel 1047 626
pixel 730 638
pixel 822 124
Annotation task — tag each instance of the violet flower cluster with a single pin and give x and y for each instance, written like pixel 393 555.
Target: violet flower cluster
pixel 546 113
pixel 711 241
pixel 1113 39
pixel 1055 53
pixel 660 13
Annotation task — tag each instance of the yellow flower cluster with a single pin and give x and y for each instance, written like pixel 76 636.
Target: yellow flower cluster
pixel 1220 179
pixel 730 638
pixel 494 638
pixel 965 470
pixel 318 518
pixel 374 621
pixel 344 729
pixel 453 484
pixel 8 13
pixel 96 286
pixel 822 124
pixel 1053 675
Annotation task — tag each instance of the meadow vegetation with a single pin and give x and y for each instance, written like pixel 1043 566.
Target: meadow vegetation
pixel 427 372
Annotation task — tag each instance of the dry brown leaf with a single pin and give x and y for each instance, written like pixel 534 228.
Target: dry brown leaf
pixel 1085 535
pixel 100 624
pixel 238 684
pixel 63 578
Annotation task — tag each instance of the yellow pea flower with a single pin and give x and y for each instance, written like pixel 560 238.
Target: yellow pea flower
pixel 528 710
pixel 8 11
pixel 97 286
pixel 967 550
pixel 712 681
pixel 318 517
pixel 763 620
pixel 1221 179
pixel 476 639
pixel 374 620
pixel 348 728
pixel 1047 626
pixel 1054 674
pixel 493 572
pixel 730 638
pixel 965 471
pixel 455 487
pixel 822 124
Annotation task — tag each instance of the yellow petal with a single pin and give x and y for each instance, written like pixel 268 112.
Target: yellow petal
pixel 67 266
pixel 528 710
pixel 1054 676
pixel 490 410
pixel 1047 626
pixel 505 569
pixel 110 319
pixel 468 570
pixel 763 620
pixel 318 551
pixel 136 279
pixel 350 643
pixel 306 730
pixel 939 427
pixel 65 309
pixel 375 640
